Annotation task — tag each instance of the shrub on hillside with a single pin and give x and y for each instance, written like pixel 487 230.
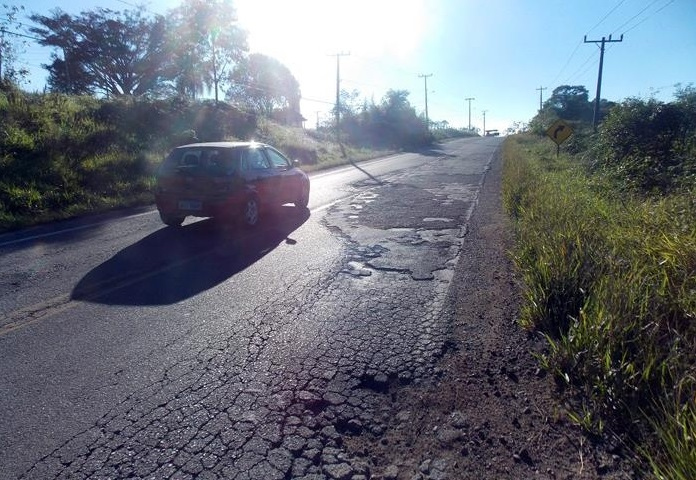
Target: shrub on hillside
pixel 650 146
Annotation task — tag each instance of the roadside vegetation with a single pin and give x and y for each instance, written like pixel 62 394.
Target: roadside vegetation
pixel 66 155
pixel 606 251
pixel 93 140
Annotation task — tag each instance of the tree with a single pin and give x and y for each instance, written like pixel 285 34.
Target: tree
pixel 205 42
pixel 264 85
pixel 114 53
pixel 10 46
pixel 394 122
pixel 570 102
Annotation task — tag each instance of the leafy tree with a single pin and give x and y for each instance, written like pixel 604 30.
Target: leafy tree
pixel 115 53
pixel 391 123
pixel 264 85
pixel 570 102
pixel 10 45
pixel 205 43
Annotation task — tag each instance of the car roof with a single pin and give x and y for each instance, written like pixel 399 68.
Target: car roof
pixel 224 145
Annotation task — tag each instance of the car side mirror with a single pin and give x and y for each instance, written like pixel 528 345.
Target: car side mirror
pixel 296 163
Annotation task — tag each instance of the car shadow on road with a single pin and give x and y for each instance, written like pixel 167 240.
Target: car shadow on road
pixel 173 264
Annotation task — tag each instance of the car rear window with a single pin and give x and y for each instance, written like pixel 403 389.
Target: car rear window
pixel 202 161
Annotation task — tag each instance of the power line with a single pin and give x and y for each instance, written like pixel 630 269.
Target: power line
pixel 605 16
pixel 390 67
pixel 602 42
pixel 567 63
pixel 575 74
pixel 580 71
pixel 650 16
pixel 20 35
pixel 577 47
pixel 634 16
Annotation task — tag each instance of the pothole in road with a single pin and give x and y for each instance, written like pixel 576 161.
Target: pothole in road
pixel 383 383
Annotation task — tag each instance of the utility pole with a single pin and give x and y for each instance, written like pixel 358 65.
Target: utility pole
pixel 213 36
pixel 595 116
pixel 338 92
pixel 541 89
pixel 469 99
pixel 484 123
pixel 425 78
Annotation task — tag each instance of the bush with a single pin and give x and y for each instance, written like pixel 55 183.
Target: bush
pixel 648 146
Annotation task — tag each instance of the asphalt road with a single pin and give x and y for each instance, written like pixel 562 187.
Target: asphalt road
pixel 129 349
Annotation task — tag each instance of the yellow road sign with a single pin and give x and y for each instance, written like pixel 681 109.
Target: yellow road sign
pixel 559 131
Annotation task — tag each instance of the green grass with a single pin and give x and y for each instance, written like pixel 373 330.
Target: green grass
pixel 65 156
pixel 611 281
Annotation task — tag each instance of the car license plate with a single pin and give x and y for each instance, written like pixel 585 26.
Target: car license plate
pixel 190 205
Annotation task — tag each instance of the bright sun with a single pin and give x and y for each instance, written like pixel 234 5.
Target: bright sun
pixel 371 26
pixel 302 33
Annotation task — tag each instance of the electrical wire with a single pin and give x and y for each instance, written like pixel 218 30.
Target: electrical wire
pixel 566 64
pixel 634 16
pixel 19 35
pixel 649 16
pixel 605 16
pixel 577 47
pixel 575 74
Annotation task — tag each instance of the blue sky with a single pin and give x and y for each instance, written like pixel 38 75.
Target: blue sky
pixel 496 51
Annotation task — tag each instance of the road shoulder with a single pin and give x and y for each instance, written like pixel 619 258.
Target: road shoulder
pixel 491 413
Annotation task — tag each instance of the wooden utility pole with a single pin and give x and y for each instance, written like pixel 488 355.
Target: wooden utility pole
pixel 541 89
pixel 338 92
pixel 595 115
pixel 469 99
pixel 425 78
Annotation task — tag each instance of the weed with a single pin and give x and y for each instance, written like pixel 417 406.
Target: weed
pixel 610 279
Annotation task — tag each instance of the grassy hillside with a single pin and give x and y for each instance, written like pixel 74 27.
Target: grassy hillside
pixel 62 156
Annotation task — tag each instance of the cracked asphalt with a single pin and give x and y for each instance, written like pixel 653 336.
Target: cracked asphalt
pixel 259 372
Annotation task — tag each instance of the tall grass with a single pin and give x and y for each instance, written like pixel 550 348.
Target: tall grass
pixel 611 281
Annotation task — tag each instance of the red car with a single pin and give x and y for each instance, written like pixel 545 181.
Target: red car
pixel 227 180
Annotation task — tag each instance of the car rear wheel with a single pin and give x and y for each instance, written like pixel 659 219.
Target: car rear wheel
pixel 172 220
pixel 302 197
pixel 250 212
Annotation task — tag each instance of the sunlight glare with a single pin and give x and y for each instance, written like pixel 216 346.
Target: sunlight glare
pixel 294 28
pixel 302 34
